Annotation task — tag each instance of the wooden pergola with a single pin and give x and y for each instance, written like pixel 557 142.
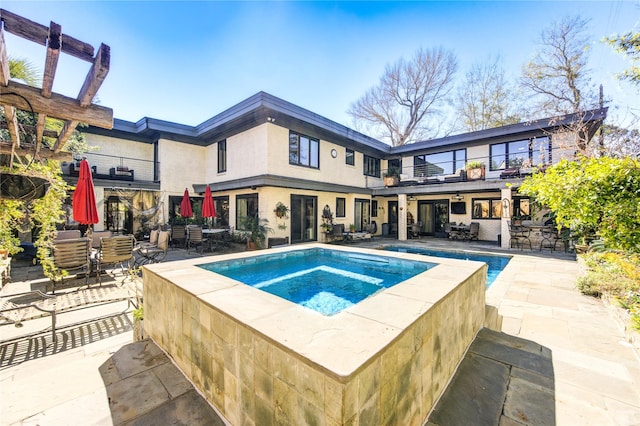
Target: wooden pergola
pixel 43 102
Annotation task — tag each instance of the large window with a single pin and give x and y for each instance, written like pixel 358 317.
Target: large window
pixel 491 208
pixel 303 150
pixel 441 163
pixel 246 206
pixel 350 157
pixel 486 208
pixel 222 156
pixel 522 153
pixel 371 166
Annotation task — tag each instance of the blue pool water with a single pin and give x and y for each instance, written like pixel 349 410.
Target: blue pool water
pixel 495 262
pixel 324 280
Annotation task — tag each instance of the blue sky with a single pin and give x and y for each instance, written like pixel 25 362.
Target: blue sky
pixel 188 61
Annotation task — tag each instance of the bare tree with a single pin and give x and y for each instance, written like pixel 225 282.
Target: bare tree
pixel 409 92
pixel 485 98
pixel 628 45
pixel 620 142
pixel 558 76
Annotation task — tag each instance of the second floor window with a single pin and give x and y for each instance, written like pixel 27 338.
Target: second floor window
pixel 350 158
pixel 523 153
pixel 303 150
pixel 441 163
pixel 371 166
pixel 222 156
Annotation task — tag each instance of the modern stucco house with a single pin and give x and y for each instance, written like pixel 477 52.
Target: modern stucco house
pixel 265 150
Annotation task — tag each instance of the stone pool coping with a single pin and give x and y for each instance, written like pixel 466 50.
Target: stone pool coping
pixel 340 344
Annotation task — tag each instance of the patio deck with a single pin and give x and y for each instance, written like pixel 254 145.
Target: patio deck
pixel 562 358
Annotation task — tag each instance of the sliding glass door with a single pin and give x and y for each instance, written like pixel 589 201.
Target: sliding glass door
pixel 304 222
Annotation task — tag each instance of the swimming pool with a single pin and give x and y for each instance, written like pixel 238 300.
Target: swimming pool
pixel 327 281
pixel 495 262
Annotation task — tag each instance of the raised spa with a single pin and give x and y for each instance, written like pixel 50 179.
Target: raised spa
pixel 327 281
pixel 261 359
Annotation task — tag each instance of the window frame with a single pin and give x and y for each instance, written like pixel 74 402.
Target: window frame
pixel 312 150
pixel 341 207
pixel 240 219
pixel 222 156
pixel 369 162
pixel 532 158
pixel 350 157
pixel 422 170
pixel 492 201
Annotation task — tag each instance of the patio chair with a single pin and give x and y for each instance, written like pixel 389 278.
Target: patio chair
pixel 71 254
pixel 519 235
pixel 451 234
pixel 69 234
pixel 474 229
pixel 550 238
pixel 115 251
pixel 195 239
pixel 153 254
pixel 415 230
pixel 96 238
pixel 178 235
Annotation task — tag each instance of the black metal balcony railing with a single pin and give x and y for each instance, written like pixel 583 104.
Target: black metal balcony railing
pixel 458 171
pixel 111 167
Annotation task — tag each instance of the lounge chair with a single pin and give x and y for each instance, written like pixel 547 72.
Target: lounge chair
pixel 70 255
pixel 115 251
pixel 153 254
pixel 195 238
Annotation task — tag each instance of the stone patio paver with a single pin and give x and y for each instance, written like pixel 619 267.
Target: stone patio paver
pixel 562 359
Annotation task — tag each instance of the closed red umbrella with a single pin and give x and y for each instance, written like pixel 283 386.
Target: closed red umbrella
pixel 185 205
pixel 85 209
pixel 208 207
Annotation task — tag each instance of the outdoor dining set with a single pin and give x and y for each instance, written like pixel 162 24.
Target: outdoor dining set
pixel 460 231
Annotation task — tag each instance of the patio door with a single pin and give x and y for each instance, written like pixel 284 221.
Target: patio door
pixel 433 214
pixel 304 222
pixel 362 214
pixel 392 218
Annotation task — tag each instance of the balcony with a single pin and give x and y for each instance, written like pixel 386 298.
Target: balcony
pixel 439 178
pixel 115 169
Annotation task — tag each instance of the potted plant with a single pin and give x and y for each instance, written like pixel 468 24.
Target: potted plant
pixel 352 227
pixel 282 212
pixel 475 170
pixel 391 176
pixel 258 230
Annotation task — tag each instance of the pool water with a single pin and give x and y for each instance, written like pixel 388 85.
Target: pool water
pixel 496 263
pixel 327 281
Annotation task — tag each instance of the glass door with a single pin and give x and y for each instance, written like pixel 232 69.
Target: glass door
pixel 304 222
pixel 362 214
pixel 433 214
pixel 393 218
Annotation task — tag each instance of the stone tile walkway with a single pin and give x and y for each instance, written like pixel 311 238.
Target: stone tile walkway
pixel 562 359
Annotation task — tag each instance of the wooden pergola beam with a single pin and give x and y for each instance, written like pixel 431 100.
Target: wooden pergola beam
pixel 12 125
pixel 58 106
pixel 38 33
pixel 95 76
pixel 4 60
pixel 51 61
pixel 65 134
pixel 48 154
